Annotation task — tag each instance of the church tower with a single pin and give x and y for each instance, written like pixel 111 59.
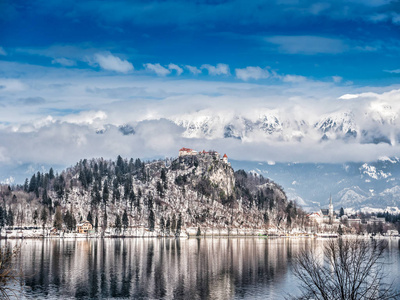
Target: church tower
pixel 330 207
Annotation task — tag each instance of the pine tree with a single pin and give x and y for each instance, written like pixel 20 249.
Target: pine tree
pixel 151 220
pixel 58 220
pixel 118 224
pixel 162 225
pixel 51 174
pixel 178 225
pixel 96 223
pixel 2 221
pixel 10 217
pixel 26 185
pixel 341 213
pixel 35 216
pixel 125 220
pixel 105 193
pixel 43 217
pixel 89 218
pixel 167 226
pixel 164 178
pixel 173 224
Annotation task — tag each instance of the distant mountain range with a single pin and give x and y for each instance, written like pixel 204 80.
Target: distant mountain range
pixel 365 127
pixel 352 185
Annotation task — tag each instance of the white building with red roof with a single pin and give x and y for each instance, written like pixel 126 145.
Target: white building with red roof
pixel 187 151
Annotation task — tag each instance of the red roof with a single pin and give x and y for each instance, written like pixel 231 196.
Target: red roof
pixel 186 149
pixel 225 155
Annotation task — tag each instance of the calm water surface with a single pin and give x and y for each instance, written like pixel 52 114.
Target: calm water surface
pixel 246 268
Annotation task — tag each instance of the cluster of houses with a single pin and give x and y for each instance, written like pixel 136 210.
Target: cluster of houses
pixel 188 152
pixel 326 217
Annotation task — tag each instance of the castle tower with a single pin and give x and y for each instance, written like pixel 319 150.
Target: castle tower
pixel 225 158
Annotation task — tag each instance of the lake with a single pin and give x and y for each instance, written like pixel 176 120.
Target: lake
pixel 219 268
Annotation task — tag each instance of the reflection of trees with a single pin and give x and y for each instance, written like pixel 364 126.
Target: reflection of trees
pixel 155 268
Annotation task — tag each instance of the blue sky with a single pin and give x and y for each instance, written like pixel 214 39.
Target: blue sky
pixel 70 70
pixel 356 40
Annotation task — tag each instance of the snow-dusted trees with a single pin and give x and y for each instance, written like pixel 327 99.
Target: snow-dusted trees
pixel 184 192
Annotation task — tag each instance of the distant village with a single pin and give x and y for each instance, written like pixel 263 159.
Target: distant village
pixel 326 221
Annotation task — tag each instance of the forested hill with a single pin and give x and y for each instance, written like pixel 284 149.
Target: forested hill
pixel 163 196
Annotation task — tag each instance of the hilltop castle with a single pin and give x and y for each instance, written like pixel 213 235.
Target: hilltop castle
pixel 187 151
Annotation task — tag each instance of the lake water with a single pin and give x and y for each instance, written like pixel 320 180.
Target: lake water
pixel 222 268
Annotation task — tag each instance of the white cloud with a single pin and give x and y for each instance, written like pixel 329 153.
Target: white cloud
pixel 72 107
pixel 348 97
pixel 2 51
pixel 307 44
pixel 294 78
pixel 64 62
pixel 11 85
pixel 109 62
pixel 158 69
pixel 193 70
pixel 337 79
pixel 251 73
pixel 219 69
pixel 396 71
pixel 177 68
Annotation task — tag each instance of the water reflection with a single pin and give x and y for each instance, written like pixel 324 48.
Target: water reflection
pixel 160 268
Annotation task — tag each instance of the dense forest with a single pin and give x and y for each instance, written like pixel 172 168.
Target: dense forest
pixel 162 196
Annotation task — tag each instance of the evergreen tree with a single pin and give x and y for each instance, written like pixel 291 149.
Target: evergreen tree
pixel 167 226
pixel 96 223
pixel 173 224
pixel 198 233
pixel 125 220
pixel 162 225
pixel 44 197
pixel 58 220
pixel 89 218
pixel 160 189
pixel 26 185
pixel 151 220
pixel 43 217
pixel 10 217
pixel 105 221
pixel 32 184
pixel 105 193
pixel 132 198
pixel 164 178
pixel 118 224
pixel 35 216
pixel 341 213
pixel 2 221
pixel 178 225
pixel 51 174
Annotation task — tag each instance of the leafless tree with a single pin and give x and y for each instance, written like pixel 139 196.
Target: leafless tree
pixel 344 269
pixel 9 276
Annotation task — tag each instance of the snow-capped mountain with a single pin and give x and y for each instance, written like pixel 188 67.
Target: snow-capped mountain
pixel 352 185
pixel 366 126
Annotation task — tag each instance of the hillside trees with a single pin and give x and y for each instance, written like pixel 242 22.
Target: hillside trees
pixel 188 191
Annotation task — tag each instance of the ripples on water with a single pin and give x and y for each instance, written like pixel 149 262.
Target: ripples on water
pixel 252 268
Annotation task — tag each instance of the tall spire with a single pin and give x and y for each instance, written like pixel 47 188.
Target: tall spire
pixel 330 206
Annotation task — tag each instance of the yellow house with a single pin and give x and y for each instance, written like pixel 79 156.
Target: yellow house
pixel 84 227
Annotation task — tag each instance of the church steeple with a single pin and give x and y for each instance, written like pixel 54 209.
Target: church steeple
pixel 330 206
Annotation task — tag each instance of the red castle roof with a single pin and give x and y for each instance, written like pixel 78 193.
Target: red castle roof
pixel 185 149
pixel 225 155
